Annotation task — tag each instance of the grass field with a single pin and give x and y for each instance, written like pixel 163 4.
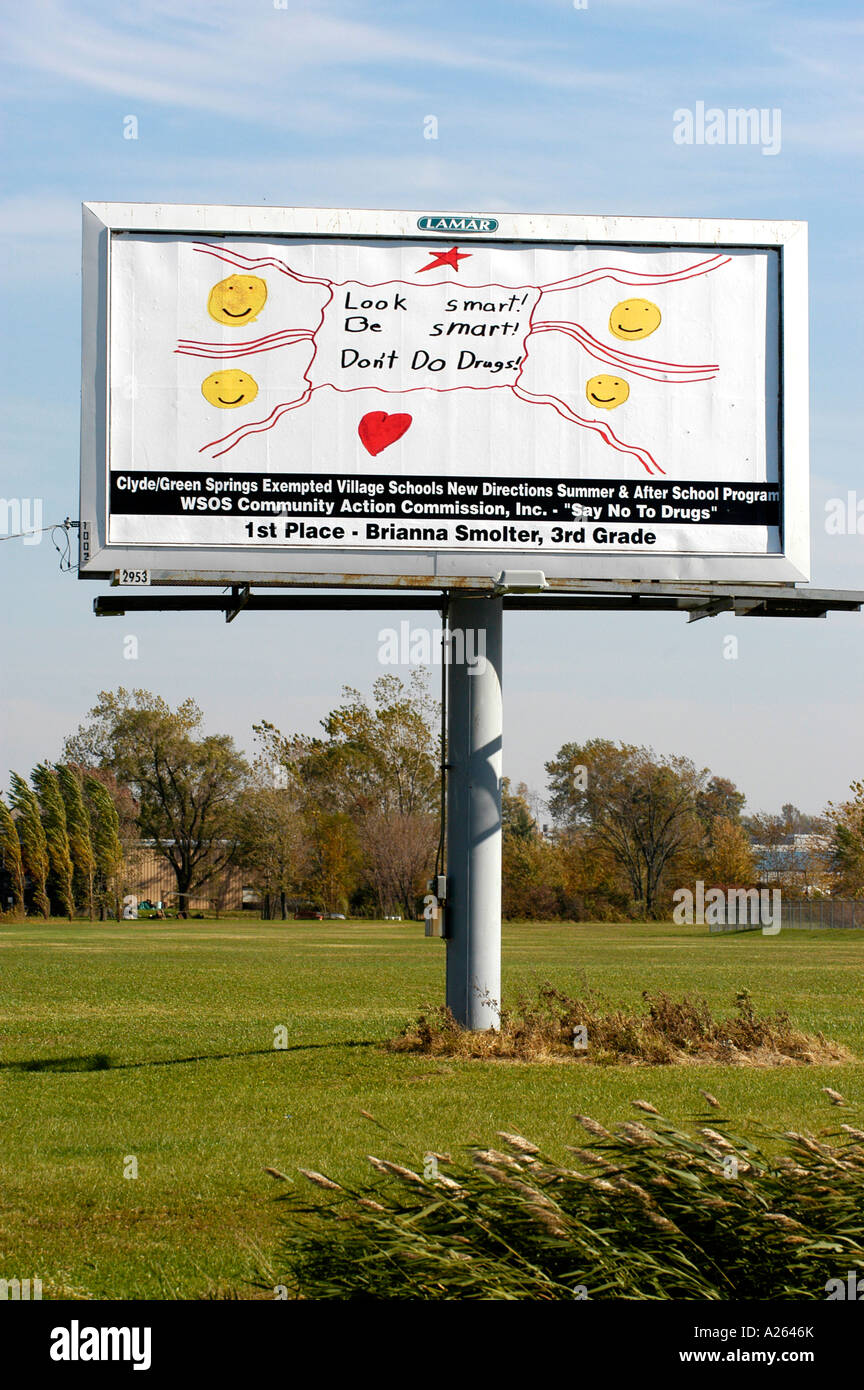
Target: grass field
pixel 155 1041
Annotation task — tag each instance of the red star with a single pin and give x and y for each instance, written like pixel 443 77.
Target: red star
pixel 442 258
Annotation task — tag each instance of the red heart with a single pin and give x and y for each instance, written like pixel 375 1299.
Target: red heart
pixel 378 430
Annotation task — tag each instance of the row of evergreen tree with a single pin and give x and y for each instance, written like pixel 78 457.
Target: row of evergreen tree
pixel 60 843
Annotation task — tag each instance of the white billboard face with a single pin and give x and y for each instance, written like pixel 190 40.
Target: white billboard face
pixel 357 401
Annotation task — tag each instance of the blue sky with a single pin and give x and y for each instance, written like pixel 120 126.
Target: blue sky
pixel 540 107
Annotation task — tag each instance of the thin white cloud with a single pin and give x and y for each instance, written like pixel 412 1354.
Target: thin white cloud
pixel 319 69
pixel 221 57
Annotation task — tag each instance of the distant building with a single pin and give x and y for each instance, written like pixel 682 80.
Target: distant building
pixel 152 878
pixel 801 856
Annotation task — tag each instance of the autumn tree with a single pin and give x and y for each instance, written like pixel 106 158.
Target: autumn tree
pixel 397 853
pixel 719 798
pixel 378 764
pixel 334 859
pixel 594 886
pixel 729 862
pixel 517 819
pixel 186 783
pixel 641 809
pixel 275 845
pixel 798 822
pixel 845 852
pixel 533 880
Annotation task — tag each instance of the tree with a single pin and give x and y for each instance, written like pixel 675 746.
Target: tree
pixel 516 818
pixel 532 880
pixel 10 855
pixel 396 852
pixel 729 862
pixel 186 783
pixel 335 859
pixel 126 807
pixel 638 807
pixel 56 838
pixel 845 825
pixel 719 797
pixel 594 885
pixel 275 845
pixel 80 841
pixel 383 756
pixel 31 836
pixel 107 849
pixel 798 822
pixel 378 764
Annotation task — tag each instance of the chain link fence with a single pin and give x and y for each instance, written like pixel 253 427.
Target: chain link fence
pixel 813 914
pixel 808 914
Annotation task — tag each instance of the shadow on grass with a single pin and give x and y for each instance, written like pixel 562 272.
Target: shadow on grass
pixel 97 1061
pixel 100 1061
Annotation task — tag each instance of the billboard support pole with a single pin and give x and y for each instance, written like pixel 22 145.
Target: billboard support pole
pixel 474 745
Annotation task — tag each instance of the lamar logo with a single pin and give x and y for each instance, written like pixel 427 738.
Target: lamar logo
pixel 853 1289
pixel 445 222
pixel 76 1343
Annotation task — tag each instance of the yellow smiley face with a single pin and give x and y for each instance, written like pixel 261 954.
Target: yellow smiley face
pixel 634 318
pixel 237 300
pixel 607 391
pixel 229 388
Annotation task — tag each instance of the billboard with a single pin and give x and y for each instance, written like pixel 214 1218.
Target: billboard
pixel 296 396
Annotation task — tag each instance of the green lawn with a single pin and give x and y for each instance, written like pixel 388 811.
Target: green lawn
pixel 194 1090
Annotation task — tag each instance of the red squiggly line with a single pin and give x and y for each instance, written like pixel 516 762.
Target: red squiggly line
pixel 260 426
pixel 219 351
pixel 631 356
pixel 222 356
pixel 606 431
pixel 232 257
pixel 637 277
pixel 610 360
pixel 253 342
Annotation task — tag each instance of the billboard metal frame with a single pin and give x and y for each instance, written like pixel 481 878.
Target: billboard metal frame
pixel 707 601
pixel 431 569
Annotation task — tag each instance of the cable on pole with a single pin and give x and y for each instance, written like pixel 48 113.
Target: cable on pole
pixel 63 548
